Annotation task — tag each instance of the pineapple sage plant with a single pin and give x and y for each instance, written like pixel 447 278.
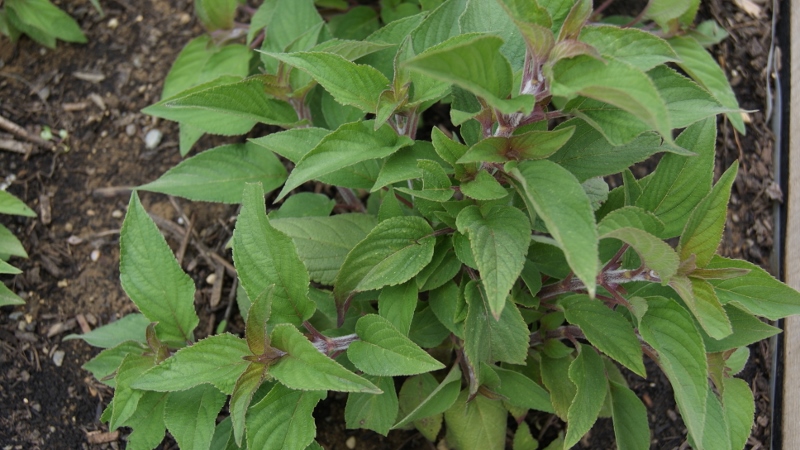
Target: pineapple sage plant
pixel 461 273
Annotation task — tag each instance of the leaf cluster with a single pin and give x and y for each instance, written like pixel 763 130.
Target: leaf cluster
pixel 488 271
pixel 10 245
pixel 41 21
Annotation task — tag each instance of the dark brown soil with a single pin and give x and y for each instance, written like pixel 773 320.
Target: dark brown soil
pixel 80 193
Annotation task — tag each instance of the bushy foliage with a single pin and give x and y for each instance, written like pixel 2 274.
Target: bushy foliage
pixel 490 268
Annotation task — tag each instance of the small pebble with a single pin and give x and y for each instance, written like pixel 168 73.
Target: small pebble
pixel 211 278
pixel 113 23
pixel 91 212
pixel 24 376
pixel 152 139
pixel 16 315
pixel 95 255
pixel 58 357
pixel 116 214
pixel 62 283
pixel 130 129
pixel 68 227
pixel 184 18
pixel 350 442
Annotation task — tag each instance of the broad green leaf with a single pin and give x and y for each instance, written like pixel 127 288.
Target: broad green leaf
pixel 630 418
pixel 148 421
pixel 480 423
pixel 534 24
pixel 384 351
pixel 108 361
pixel 636 47
pixel 219 174
pixel 417 406
pixel 703 231
pixel 757 292
pixel 201 61
pixel 43 22
pixel 246 385
pixel 349 144
pixel 12 205
pixel 588 374
pixel 216 360
pixel 499 239
pixel 266 260
pixel 615 82
pixel 447 303
pixel 664 11
pixel 487 339
pixel 669 329
pixel 216 14
pixel 413 392
pixel 256 329
pixel 397 304
pixel 607 330
pixel 739 409
pixel 400 166
pixel 699 64
pixel 292 144
pixel 229 59
pixel 630 217
pixel 351 50
pixel 680 183
pixel 152 278
pixel 531 145
pixel 128 328
pixel 393 252
pixel 483 187
pixel 305 368
pixel 283 420
pixel 351 84
pixel 436 185
pixel 191 415
pixel 426 330
pixel 702 301
pixel 523 439
pixel 245 100
pixel 324 242
pixel 473 62
pixel 10 245
pixel 686 101
pixel 715 428
pixel 589 154
pixel 438 26
pixel 304 204
pixel 656 254
pixel 486 17
pixel 357 23
pixel 561 203
pixel 448 149
pixel 371 411
pixel 521 391
pixel 125 397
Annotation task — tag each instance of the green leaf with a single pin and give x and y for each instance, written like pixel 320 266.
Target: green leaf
pixel 483 187
pixel 384 351
pixel 305 368
pixel 480 423
pixel 531 145
pixel 562 204
pixel 413 392
pixel 486 17
pixel 630 217
pixel 589 153
pixel 639 48
pixel 393 252
pixel 756 292
pixel 246 385
pixel 219 174
pixel 216 360
pixel 191 415
pixel 128 328
pixel 686 101
pixel 473 61
pixel 357 85
pixel 357 23
pixel 188 66
pixel 216 14
pixel 523 439
pixel 349 144
pixel 656 254
pixel 699 296
pixel 607 330
pixel 292 144
pixel 747 330
pixel 153 279
pixel 630 418
pixel 371 411
pixel 12 205
pixel 127 398
pixel 265 257
pixel 521 391
pixel 304 204
pixel 397 305
pixel 400 166
pixel 418 402
pixel 663 12
pixel 588 374
pixel 739 409
pixel 436 185
pixel 256 329
pixel 10 245
pixel 283 420
pixel 148 421
pixel 668 328
pixel 499 239
pixel 703 231
pixel 680 183
pixel 487 339
pixel 699 64
pixel 438 26
pixel 107 362
pixel 245 100
pixel 38 18
pixel 534 24
pixel 615 82
pixel 324 242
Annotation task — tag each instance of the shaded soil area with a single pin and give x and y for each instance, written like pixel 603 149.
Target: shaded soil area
pixel 80 191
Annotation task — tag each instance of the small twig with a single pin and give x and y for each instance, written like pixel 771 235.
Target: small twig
pixel 112 191
pixel 351 199
pixel 15 146
pixel 184 243
pixel 216 290
pixel 18 131
pixel 231 300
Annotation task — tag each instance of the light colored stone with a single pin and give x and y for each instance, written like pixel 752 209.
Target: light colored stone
pixel 152 138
